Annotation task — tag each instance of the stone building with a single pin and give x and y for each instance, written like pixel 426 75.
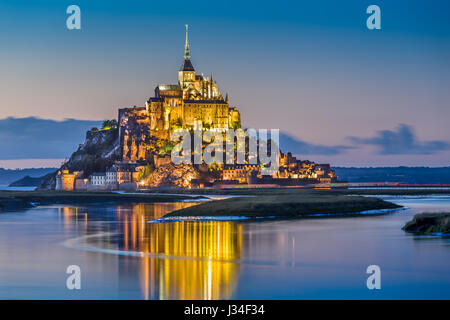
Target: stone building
pixel 111 178
pixel 195 98
pixel 291 170
pixel 123 172
pixel 81 184
pixel 240 172
pixel 97 180
pixel 291 167
pixel 65 180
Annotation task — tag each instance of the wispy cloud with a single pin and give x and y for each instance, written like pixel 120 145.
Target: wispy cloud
pixel 35 138
pixel 401 141
pixel 300 147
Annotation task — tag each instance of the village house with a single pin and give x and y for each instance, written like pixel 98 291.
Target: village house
pixel 81 184
pixel 97 181
pixel 240 172
pixel 111 178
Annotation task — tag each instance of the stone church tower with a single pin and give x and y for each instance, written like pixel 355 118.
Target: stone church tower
pixel 186 75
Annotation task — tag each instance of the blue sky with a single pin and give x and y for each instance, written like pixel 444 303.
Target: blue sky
pixel 310 68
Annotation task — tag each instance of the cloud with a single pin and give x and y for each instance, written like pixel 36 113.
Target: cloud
pixel 35 138
pixel 401 141
pixel 299 147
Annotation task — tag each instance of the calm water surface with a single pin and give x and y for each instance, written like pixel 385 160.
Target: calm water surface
pixel 122 256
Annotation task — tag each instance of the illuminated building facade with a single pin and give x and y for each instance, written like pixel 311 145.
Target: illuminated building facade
pixel 193 99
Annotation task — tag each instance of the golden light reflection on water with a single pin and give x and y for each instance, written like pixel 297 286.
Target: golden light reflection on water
pixel 195 258
pixel 206 270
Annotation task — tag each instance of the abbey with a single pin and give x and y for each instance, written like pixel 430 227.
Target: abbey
pixel 194 98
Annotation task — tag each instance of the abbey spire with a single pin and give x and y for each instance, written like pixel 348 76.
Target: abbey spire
pixel 186 75
pixel 187 64
pixel 187 55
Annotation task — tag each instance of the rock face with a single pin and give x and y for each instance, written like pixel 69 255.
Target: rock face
pixel 99 144
pixel 429 223
pixel 172 175
pixel 134 134
pixel 97 153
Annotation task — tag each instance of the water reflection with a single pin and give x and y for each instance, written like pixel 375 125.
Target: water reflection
pixel 194 259
pixel 124 257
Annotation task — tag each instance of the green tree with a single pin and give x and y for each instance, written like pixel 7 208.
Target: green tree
pixel 146 171
pixel 166 148
pixel 109 124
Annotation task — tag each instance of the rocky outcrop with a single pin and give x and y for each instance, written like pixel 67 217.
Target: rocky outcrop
pixel 97 153
pixel 28 181
pixel 429 223
pixel 134 134
pixel 297 203
pixel 100 144
pixel 172 175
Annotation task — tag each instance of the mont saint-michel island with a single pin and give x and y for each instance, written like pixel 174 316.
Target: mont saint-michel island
pixel 134 152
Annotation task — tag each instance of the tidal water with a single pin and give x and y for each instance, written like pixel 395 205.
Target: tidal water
pixel 122 256
pixel 7 188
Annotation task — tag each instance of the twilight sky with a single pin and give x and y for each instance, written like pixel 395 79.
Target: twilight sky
pixel 341 93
